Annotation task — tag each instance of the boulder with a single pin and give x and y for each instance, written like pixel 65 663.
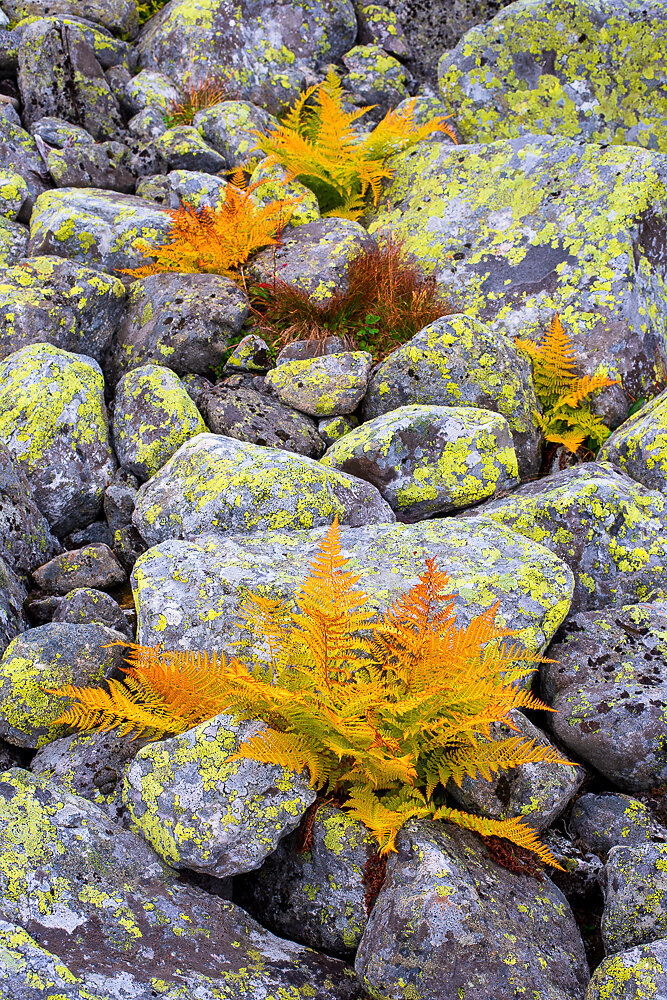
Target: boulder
pixel 149 89
pixel 192 186
pixel 25 537
pixel 230 128
pixel 87 606
pixel 323 386
pixel 13 595
pixel 632 974
pixel 59 133
pixel 380 26
pixel 19 153
pixel 376 78
pixel 635 897
pixel 105 166
pixel 639 445
pixel 91 566
pixel 14 193
pixel 601 822
pixel 184 149
pixel 118 15
pixel 274 182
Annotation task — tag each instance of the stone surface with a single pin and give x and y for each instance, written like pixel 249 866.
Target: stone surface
pixel 91 566
pixel 251 354
pixel 54 422
pixel 275 182
pixel 59 133
pixel 151 89
pixel 605 821
pixel 635 897
pixel 18 151
pixel 14 193
pixel 639 445
pixel 609 677
pixel 380 25
pixel 324 387
pixel 13 595
pixel 449 923
pixel 230 126
pixel 85 606
pixel 25 537
pixel 631 975
pixel 106 166
pixel 184 149
pixel 196 188
pixel 376 78
pixel 428 460
pixel 118 15
pixel 214 483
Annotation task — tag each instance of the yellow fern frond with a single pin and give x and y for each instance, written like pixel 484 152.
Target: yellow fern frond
pixel 554 363
pixel 127 707
pixel 500 755
pixel 514 830
pixel 584 387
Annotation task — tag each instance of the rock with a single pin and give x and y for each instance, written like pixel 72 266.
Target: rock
pixel 150 89
pixel 61 302
pixel 87 606
pixel 153 417
pixel 597 80
pixel 251 354
pixel 605 821
pixel 632 974
pixel 54 422
pixel 93 533
pixel 118 15
pixel 97 228
pixel 13 595
pixel 147 124
pixel 25 537
pixel 635 902
pixel 230 128
pixel 315 257
pixel 60 133
pixel 247 415
pixel 197 189
pixel 59 75
pixel 119 499
pixel 458 361
pixel 201 811
pixel 582 873
pixel 182 321
pixel 376 78
pixel 106 165
pixel 92 566
pixel 380 26
pixel 268 51
pixel 18 152
pixel 448 922
pixel 187 593
pixel 50 656
pixel 121 923
pixel 428 460
pixel 184 149
pixel 639 446
pixel 316 896
pixel 332 428
pixel 610 530
pixel 214 483
pixel 13 242
pixel 609 676
pixel 538 793
pixel 301 350
pixel 14 193
pixel 327 386
pixel 572 227
pixel 274 182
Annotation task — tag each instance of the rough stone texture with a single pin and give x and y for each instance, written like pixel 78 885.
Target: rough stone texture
pixel 18 151
pixel 214 483
pixel 610 530
pixel 458 361
pixel 635 897
pixel 59 133
pixel 182 321
pixel 230 128
pixel 184 149
pixel 14 193
pixel 25 537
pixel 118 15
pixel 316 896
pixel 639 446
pixel 323 387
pixel 106 166
pixel 54 422
pixel 332 428
pixel 610 678
pixel 203 812
pixel 48 299
pixel 119 921
pixel 248 415
pixel 520 229
pixel 13 242
pixel 153 416
pixel 91 566
pixel 449 923
pixel 315 257
pixel 147 124
pixel 539 793
pixel 379 25
pixel 197 189
pixel 187 593
pixel 13 595
pixel 251 354
pixel 275 182
pixel 428 460
pixel 605 821
pixel 150 89
pixel 376 78
pixel 589 68
pixel 632 975
pixel 98 228
pixel 49 657
pixel 85 606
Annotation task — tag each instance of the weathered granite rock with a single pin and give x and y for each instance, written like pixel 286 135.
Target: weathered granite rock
pixel 150 89
pixel 275 182
pixel 635 897
pixel 428 460
pixel 48 299
pixel 611 530
pixel 458 361
pixel 631 975
pixel 609 677
pixel 25 537
pixel 324 386
pixel 147 124
pixel 251 354
pixel 105 166
pixel 605 821
pixel 380 25
pixel 230 128
pixel 192 186
pixel 18 151
pixel 86 606
pixel 91 566
pixel 639 446
pixel 14 193
pixel 13 595
pixel 49 657
pixel 332 428
pixel 54 422
pixel 184 149
pixel 59 133
pixel 118 15
pixel 187 593
pixel 153 416
pixel 376 79
pixel 449 923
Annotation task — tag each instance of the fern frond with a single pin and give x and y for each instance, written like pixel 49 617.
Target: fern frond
pixel 554 363
pixel 584 387
pixel 397 131
pixel 485 760
pixel 514 830
pixel 127 706
pixel 289 750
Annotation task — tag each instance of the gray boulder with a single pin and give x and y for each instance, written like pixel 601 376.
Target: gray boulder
pixel 13 595
pixel 628 974
pixel 605 821
pixel 184 149
pixel 87 606
pixel 118 15
pixel 635 897
pixel 18 152
pixel 639 445
pixel 25 537
pixel 230 128
pixel 105 165
pixel 91 566
pixel 322 386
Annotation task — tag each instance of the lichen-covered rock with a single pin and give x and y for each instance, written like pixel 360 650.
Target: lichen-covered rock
pixel 54 422
pixel 25 537
pixel 187 593
pixel 150 89
pixel 635 896
pixel 203 812
pixel 609 529
pixel 98 228
pixel 48 299
pixel 248 415
pixel 458 361
pixel 379 25
pixel 639 446
pixel 192 186
pixel 182 321
pixel 230 128
pixel 86 606
pixel 13 595
pixel 332 428
pixel 268 49
pixel 318 895
pixel 105 166
pixel 251 355
pixel 214 483
pixel 314 257
pixel 605 821
pixel 538 793
pixel 428 460
pixel 323 387
pixel 49 657
pixel 147 124
pixel 184 149
pixel 18 152
pixel 608 684
pixel 118 15
pixel 59 133
pixel 13 242
pixel 520 229
pixel 376 78
pixel 153 416
pixel 91 566
pixel 274 182
pixel 119 921
pixel 635 974
pixel 14 193
pixel 572 67
pixel 449 923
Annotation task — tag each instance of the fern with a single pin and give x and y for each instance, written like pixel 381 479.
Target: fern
pixel 318 144
pixel 562 393
pixel 383 714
